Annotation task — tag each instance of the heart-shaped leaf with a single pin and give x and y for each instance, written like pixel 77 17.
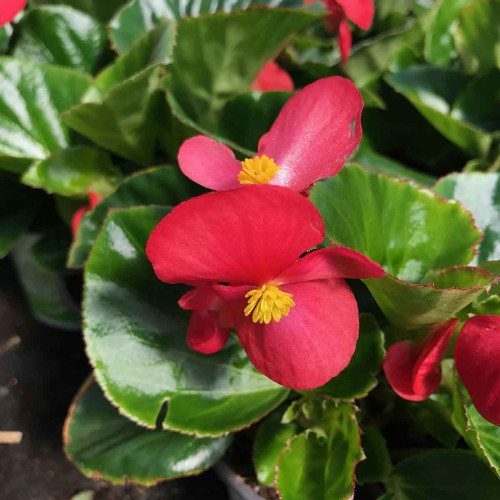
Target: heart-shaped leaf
pixel 32 99
pixel 60 35
pixel 73 172
pixel 104 444
pixel 162 185
pixel 135 336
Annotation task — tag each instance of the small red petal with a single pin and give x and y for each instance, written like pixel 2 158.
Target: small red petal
pixel 272 78
pixel 360 12
pixel 9 9
pixel 77 217
pixel 345 41
pixel 205 334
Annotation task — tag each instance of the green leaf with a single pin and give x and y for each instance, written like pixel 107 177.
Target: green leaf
pixel 409 232
pixel 74 171
pixel 433 92
pixel 439 43
pixel 479 193
pixel 377 466
pixel 477 36
pixel 45 289
pixel 51 249
pixel 360 377
pixel 18 207
pixel 125 121
pixel 5 34
pixel 487 436
pixel 440 474
pixel 218 57
pixel 153 47
pixel 135 336
pixel 162 185
pixel 62 36
pixel 321 466
pixel 31 101
pixel 270 440
pixel 139 16
pixel 104 444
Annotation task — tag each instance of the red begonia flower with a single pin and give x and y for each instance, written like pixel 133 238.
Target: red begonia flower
pixel 477 358
pixel 272 78
pixel 94 199
pixel 312 138
pixel 360 12
pixel 414 371
pixel 9 9
pixel 295 317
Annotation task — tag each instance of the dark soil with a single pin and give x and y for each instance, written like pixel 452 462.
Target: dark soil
pixel 40 370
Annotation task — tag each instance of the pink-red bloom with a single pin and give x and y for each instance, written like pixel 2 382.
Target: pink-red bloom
pixel 312 138
pixel 360 12
pixel 295 317
pixel 9 9
pixel 94 199
pixel 414 370
pixel 477 358
pixel 272 78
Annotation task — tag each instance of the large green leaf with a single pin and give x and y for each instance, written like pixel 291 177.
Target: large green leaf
pixel 218 57
pixel 479 193
pixel 441 474
pixel 33 97
pixel 125 122
pixel 62 36
pixel 377 466
pixel 360 377
pixel 135 336
pixel 104 444
pixel 409 232
pixel 102 10
pixel 18 207
pixel 477 36
pixel 439 43
pixel 161 186
pixel 270 440
pixel 433 91
pixel 44 289
pixel 320 463
pixel 139 16
pixel 74 171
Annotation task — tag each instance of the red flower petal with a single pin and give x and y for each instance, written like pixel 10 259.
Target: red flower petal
pixel 315 133
pixel 415 373
pixel 329 263
pixel 272 78
pixel 477 358
pixel 209 163
pixel 9 9
pixel 345 41
pixel 77 218
pixel 310 346
pixel 202 297
pixel 94 199
pixel 360 12
pixel 241 236
pixel 205 334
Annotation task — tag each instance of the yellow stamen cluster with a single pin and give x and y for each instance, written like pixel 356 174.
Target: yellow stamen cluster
pixel 257 170
pixel 268 302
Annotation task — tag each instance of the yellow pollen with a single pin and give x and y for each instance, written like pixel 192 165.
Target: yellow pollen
pixel 268 302
pixel 257 170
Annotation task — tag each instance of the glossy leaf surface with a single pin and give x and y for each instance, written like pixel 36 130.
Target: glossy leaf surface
pixel 135 335
pixel 101 10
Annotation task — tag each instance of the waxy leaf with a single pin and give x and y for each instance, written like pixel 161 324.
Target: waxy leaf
pixel 160 186
pixel 33 97
pixel 479 193
pixel 45 290
pixel 74 171
pixel 135 336
pixel 60 35
pixel 125 121
pixel 99 9
pixel 218 57
pixel 440 474
pixel 139 16
pixel 415 232
pixel 104 444
pixel 320 463
pixel 360 377
pixel 270 441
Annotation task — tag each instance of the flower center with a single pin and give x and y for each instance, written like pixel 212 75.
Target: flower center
pixel 257 170
pixel 268 302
